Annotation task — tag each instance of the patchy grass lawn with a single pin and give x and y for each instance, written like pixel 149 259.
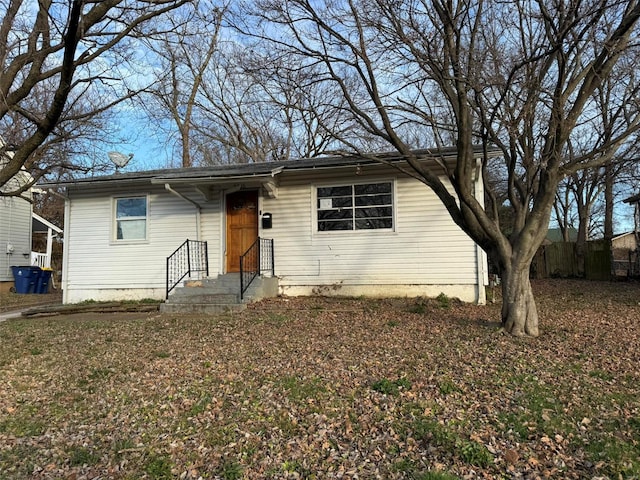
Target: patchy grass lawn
pixel 328 388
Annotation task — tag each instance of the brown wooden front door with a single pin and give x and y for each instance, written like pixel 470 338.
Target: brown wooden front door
pixel 242 226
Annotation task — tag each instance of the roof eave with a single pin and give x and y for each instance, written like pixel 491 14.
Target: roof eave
pixel 46 223
pixel 441 159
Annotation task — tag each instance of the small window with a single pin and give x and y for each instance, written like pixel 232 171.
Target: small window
pixel 131 218
pixel 364 206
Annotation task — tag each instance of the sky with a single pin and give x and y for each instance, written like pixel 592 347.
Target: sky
pixel 133 135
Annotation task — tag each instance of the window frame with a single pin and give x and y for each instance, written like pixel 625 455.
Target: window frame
pixel 316 207
pixel 115 220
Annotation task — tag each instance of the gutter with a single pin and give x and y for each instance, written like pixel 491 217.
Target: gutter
pixel 219 179
pixel 168 188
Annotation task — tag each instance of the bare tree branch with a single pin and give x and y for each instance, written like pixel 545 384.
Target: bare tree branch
pixel 59 45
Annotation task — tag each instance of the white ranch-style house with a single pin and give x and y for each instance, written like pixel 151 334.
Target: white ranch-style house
pixel 328 226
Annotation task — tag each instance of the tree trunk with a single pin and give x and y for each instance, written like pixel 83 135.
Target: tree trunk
pixel 608 202
pixel 519 312
pixel 583 234
pixel 186 148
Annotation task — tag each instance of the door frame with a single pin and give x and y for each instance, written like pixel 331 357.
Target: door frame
pixel 225 223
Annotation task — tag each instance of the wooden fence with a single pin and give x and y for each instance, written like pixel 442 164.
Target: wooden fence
pixel 560 260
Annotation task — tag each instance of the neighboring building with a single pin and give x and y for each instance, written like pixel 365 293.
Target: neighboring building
pixel 632 239
pixel 340 226
pixel 624 255
pixel 15 228
pixel 624 241
pixel 18 224
pixel 15 237
pixel 635 201
pixel 43 235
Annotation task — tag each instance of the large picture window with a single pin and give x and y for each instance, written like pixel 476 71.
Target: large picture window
pixel 363 206
pixel 131 218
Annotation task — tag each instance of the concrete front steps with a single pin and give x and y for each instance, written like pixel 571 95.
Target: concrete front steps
pixel 218 295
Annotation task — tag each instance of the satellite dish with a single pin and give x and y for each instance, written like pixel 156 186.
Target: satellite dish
pixel 120 160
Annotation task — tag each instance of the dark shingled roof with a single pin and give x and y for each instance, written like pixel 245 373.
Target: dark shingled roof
pixel 250 169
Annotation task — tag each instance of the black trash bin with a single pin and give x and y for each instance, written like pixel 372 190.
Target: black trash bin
pixel 42 283
pixel 25 278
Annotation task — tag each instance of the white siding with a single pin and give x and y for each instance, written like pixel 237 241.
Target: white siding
pixel 425 253
pixel 15 230
pixel 15 225
pixel 99 268
pixel 211 227
pixel 626 241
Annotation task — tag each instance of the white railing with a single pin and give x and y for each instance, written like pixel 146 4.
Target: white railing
pixel 41 260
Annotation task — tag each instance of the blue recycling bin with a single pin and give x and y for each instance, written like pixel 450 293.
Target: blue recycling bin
pixel 42 282
pixel 25 278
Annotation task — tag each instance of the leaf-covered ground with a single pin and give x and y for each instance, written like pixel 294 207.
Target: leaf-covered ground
pixel 328 388
pixel 13 301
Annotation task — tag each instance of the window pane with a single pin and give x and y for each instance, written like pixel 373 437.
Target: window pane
pixel 374 212
pixel 341 202
pixel 371 209
pixel 334 214
pixel 334 191
pixel 337 202
pixel 373 200
pixel 328 225
pixel 131 207
pixel 374 223
pixel 132 229
pixel 372 188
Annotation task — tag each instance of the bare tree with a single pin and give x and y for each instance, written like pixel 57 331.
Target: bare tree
pixel 520 76
pixel 238 123
pixel 585 200
pixel 259 107
pixel 56 53
pixel 70 147
pixel 589 195
pixel 625 159
pixel 310 112
pixel 183 55
pixel 217 101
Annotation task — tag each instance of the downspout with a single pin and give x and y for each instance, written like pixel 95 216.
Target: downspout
pixel 65 249
pixel 196 204
pixel 481 256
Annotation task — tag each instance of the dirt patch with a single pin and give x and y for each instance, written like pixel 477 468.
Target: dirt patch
pixel 14 301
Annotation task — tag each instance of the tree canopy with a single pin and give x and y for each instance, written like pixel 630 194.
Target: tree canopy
pixel 527 77
pixel 64 64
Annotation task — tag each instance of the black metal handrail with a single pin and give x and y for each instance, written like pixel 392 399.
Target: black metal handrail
pixel 257 259
pixel 188 258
